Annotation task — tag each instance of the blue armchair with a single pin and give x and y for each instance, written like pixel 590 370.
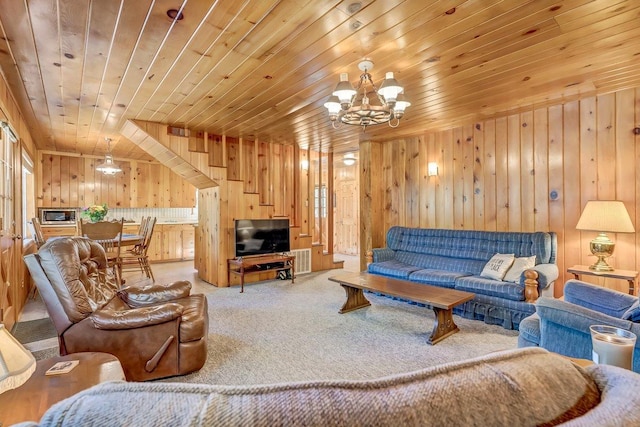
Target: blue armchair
pixel 563 326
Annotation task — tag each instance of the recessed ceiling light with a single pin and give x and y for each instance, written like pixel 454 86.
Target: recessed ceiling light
pixel 175 14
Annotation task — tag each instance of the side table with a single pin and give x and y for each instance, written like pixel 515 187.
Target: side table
pixel 628 275
pixel 32 399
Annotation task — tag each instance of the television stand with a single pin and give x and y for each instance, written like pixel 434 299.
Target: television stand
pixel 259 264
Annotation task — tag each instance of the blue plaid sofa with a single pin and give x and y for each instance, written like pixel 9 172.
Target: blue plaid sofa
pixel 455 258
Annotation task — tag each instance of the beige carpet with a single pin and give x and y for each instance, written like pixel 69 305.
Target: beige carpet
pixel 276 332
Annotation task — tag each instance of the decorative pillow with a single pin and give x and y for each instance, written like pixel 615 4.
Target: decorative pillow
pixel 519 265
pixel 497 266
pixel 633 313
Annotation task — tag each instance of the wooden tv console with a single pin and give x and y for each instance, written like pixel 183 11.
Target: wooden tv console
pixel 259 264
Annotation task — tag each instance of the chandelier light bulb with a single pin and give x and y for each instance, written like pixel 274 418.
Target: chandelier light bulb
pixel 390 88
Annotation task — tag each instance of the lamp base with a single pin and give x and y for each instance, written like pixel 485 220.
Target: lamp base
pixel 601 265
pixel 602 247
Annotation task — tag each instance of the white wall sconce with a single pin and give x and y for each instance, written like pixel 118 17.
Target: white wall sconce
pixel 432 169
pixel 304 164
pixel 349 159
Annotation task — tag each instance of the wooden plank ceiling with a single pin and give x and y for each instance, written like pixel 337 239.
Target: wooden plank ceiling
pixel 262 69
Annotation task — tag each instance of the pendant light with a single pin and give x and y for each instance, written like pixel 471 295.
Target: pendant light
pixel 108 167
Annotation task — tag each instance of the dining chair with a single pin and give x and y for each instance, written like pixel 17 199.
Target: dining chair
pixel 137 256
pixel 38 236
pixel 109 235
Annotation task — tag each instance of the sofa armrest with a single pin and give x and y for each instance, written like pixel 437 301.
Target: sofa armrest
pixel 382 254
pixel 598 298
pixel 547 274
pixel 137 317
pixel 574 316
pixel 141 296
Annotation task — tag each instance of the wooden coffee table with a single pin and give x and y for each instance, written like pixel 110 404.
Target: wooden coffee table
pixel 442 300
pixel 32 399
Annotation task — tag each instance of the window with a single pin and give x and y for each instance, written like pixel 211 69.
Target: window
pixel 320 196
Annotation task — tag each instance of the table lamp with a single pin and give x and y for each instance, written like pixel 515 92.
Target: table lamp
pixel 16 362
pixel 604 216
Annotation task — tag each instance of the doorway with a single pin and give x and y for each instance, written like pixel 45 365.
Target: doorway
pixel 346 208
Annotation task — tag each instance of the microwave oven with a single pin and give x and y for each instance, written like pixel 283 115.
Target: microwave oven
pixel 58 216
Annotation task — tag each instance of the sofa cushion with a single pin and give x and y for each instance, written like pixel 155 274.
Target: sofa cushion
pixel 393 268
pixel 496 288
pixel 445 279
pixel 497 266
pixel 514 273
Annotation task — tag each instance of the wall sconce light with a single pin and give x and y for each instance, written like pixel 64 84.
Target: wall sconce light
pixel 7 128
pixel 304 164
pixel 432 169
pixel 349 159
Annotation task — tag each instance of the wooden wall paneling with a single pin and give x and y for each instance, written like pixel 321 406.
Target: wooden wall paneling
pixel 165 190
pixel 398 214
pixel 572 198
pixel 426 193
pixel 541 169
pixel 436 182
pixel 90 183
pixel 216 152
pixel 197 142
pixel 412 182
pixel 502 175
pixel 625 175
pixel 372 223
pixel 387 185
pixel 314 182
pixel 467 178
pixel 144 181
pixel 289 176
pixel 513 172
pixel 606 146
pixel 44 187
pixel 606 152
pixel 56 191
pixel 489 172
pixel 447 144
pixel 305 193
pixel 527 172
pixel 478 177
pixel 276 186
pixel 175 191
pixel 80 177
pixel 223 235
pixel 133 183
pixel 264 178
pixel 458 179
pixel 556 194
pixel 234 165
pixel 249 161
pixel 65 182
pixel 154 183
pixel 588 177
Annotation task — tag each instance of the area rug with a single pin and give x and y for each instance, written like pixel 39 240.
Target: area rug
pixel 278 332
pixel 34 330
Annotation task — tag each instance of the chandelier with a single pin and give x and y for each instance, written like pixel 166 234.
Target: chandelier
pixel 108 167
pixel 352 106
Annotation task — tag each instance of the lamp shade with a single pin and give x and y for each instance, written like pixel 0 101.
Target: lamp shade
pixel 16 363
pixel 605 216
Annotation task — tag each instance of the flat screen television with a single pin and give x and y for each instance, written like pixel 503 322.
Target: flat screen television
pixel 261 236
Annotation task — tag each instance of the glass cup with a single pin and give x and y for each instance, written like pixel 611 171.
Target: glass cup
pixel 612 346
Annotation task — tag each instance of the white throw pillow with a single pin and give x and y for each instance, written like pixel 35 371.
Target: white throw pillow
pixel 497 266
pixel 519 265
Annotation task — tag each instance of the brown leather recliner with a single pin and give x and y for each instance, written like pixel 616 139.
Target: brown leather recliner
pixel 155 330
